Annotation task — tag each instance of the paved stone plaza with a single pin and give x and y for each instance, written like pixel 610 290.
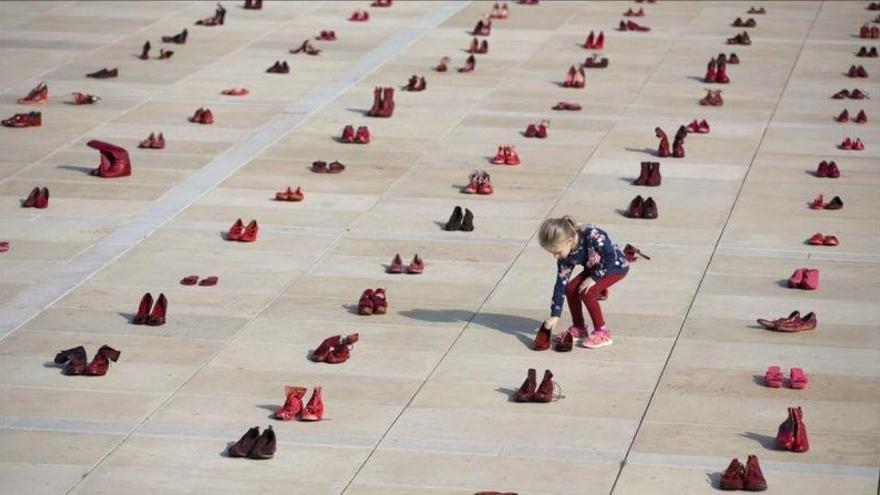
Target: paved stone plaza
pixel 422 406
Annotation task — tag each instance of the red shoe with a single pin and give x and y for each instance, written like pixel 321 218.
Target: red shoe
pixel 140 318
pixel 801 442
pixel 347 134
pixel 811 279
pixel 531 131
pixel 189 280
pixel 564 105
pixel 31 201
pixel 794 323
pixel 711 71
pixel 250 232
pixel 663 146
pixel 30 119
pixel 4 246
pixel 416 266
pixel 342 352
pixel 816 239
pixel 785 434
pixel 754 478
pixel 830 240
pixel 235 92
pixel 835 204
pixel 499 156
pixel 157 316
pixel 314 410
pixel 396 265
pixel 636 207
pixel 847 144
pixel 485 184
pixel 861 117
pixel 542 130
pixel 704 127
pixel 630 252
pixel 822 169
pixel 694 126
pixel 236 231
pixel 833 171
pixel 511 157
pixel 818 203
pixel 380 302
pixel 362 136
pixel 209 281
pixel 858 145
pixel 721 75
pixel 40 94
pixel 149 142
pixel 84 99
pixel 115 161
pixel 365 304
pixel 42 199
pixel 442 66
pixel 858 94
pixel 469 65
pixel 840 95
pixel 473 183
pixel 101 362
pixel 544 393
pixel 292 405
pixel 654 177
pixel 733 59
pixel 475 46
pixel 320 354
pixel 796 278
pixel 798 378
pixel 335 168
pixel 600 41
pixel 632 26
pixel 734 477
pixel 590 43
pixel 542 339
pixel 159 143
pixel 527 389
pixel 773 377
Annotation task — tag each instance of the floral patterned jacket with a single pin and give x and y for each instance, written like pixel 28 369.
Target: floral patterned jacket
pixel 599 256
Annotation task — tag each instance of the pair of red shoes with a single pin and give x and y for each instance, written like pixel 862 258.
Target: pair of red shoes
pixel 483 28
pixel 575 78
pixel 632 13
pixel 804 278
pixel 235 92
pixel 793 323
pixel 205 282
pixel 153 142
pixel 749 23
pixel 713 98
pixel 818 239
pixel 238 231
pixel 383 102
pixel 595 42
pixel 868 32
pixel 381 3
pixel 857 71
pixel 306 48
pixel 860 118
pixel 322 167
pixel 361 136
pixel 855 94
pixel 649 175
pixel 819 203
pixel 74 361
pixel 716 71
pixel 595 62
pixel 530 391
pixel 373 302
pixel 499 11
pixel 567 105
pixel 84 98
pixel 177 39
pixel 326 36
pixel 40 94
pixel 792 434
pixel 852 144
pixel 631 26
pixel 506 155
pixel 252 4
pixel 151 314
pixel 828 169
pixel 290 195
pixel 334 350
pixel 115 161
pixel 865 52
pixel 539 131
pixel 38 198
pixel 415 267
pixel 202 116
pixel 359 16
pixel 701 127
pixel 642 208
pixel 478 47
pixel 677 144
pixel 416 83
pixel 760 10
pixel 469 65
pixel 279 67
pixel 293 406
pixel 773 378
pixel 30 119
pixel 739 477
pixel 479 182
pixel 740 39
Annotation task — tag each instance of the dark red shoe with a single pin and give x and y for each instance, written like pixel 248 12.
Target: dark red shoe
pixel 631 252
pixel 157 316
pixel 835 204
pixel 771 324
pixel 711 71
pixel 654 177
pixel 527 389
pixel 365 303
pixel 542 339
pixel 833 171
pixel 320 354
pixel 314 410
pixel 245 444
pixel 342 352
pixel 362 136
pixel 566 343
pixel 347 134
pixel 143 312
pixel 786 431
pixel 734 477
pixel 396 265
pixel 469 65
pixel 19 120
pixel 801 443
pixel 796 323
pixel 31 200
pixel 101 362
pixel 63 357
pixel 250 232
pixel 115 161
pixel 754 478
pixel 643 174
pixel 861 117
pixel 380 303
pixel 416 266
pixel 636 207
pixel 544 393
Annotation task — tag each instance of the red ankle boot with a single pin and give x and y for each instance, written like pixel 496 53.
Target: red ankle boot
pixel 643 175
pixel 314 410
pixel 663 147
pixel 146 305
pixel 387 102
pixel 754 478
pixel 101 362
pixel 734 476
pixel 376 110
pixel 710 71
pixel 654 177
pixel 527 389
pixel 292 405
pixel 157 316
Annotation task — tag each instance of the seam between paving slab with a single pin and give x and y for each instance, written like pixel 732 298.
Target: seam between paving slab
pixel 629 450
pixel 72 274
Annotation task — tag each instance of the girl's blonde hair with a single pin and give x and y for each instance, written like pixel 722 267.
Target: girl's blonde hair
pixel 554 231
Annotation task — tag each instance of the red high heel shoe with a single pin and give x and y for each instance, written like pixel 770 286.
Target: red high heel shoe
pixel 250 232
pixel 320 354
pixel 590 43
pixel 347 134
pixel 380 302
pixel 101 362
pixel 40 94
pixel 416 266
pixel 157 316
pixel 140 318
pixel 292 405
pixel 342 352
pixel 469 65
pixel 235 232
pixel 314 410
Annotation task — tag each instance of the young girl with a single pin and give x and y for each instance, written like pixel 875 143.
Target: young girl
pixel 604 265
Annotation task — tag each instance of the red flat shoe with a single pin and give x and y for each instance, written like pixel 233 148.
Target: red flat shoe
pixel 157 316
pixel 314 410
pixel 209 281
pixel 830 240
pixel 773 377
pixel 235 92
pixel 798 379
pixel 20 120
pixel 335 168
pixel 380 302
pixel 140 318
pixel 235 232
pixel 189 280
pixel 811 279
pixel 365 304
pixel 796 278
pixel 416 266
pixel 816 239
pixel 396 265
pixel 250 232
pixel 818 203
pixel 292 405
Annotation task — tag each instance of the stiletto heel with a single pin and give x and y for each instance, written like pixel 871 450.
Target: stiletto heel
pixel 144 308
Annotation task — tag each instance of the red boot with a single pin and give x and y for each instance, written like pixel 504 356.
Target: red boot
pixel 292 405
pixel 115 161
pixel 785 434
pixel 314 410
pixel 101 362
pixel 800 443
pixel 711 71
pixel 527 389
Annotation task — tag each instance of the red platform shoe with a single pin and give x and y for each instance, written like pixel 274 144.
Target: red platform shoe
pixel 143 312
pixel 314 410
pixel 115 161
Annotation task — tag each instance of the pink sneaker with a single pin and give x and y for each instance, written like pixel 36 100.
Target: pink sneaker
pixel 599 338
pixel 576 333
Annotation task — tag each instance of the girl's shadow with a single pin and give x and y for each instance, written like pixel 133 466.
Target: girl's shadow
pixel 521 327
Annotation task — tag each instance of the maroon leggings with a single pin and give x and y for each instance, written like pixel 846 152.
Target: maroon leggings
pixel 589 298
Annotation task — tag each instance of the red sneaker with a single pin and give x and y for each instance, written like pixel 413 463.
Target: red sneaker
pixel 485 186
pixel 499 156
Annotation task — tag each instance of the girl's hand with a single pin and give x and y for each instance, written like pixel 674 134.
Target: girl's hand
pixel 550 323
pixel 586 284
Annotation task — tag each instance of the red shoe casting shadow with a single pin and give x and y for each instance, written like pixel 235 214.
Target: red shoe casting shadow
pixel 115 161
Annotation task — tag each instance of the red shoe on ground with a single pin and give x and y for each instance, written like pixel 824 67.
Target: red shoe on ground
pixel 235 232
pixel 314 410
pixel 830 241
pixel 157 315
pixel 250 232
pixel 40 94
pixel 510 156
pixel 734 477
pixel 773 377
pixel 818 203
pixel 365 303
pixel 293 403
pixel 115 161
pixel 380 303
pixel 396 265
pixel 30 119
pixel 416 266
pixel 754 478
pixel 798 379
pixel 144 308
pixel 235 92
pixel 362 136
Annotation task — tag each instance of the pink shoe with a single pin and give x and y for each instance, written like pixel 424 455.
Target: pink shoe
pixel 798 378
pixel 599 338
pixel 796 279
pixel 773 377
pixel 575 331
pixel 811 279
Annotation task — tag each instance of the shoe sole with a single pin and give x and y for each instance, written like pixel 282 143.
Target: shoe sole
pixel 598 346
